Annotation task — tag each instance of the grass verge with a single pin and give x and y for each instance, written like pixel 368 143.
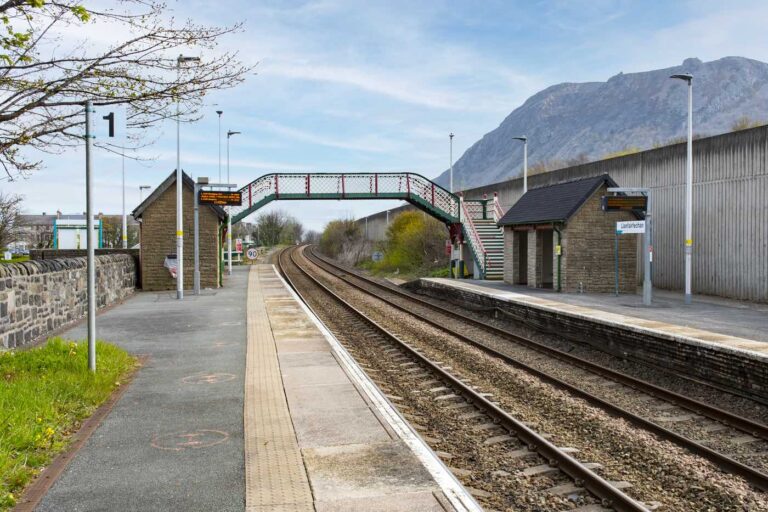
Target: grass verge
pixel 45 394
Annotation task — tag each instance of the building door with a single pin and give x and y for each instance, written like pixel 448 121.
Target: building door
pixel 546 258
pixel 522 257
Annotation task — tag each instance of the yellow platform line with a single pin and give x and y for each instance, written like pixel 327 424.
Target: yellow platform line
pixel 275 477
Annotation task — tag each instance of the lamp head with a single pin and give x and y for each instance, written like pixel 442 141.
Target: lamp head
pixel 231 133
pixel 683 76
pixel 450 135
pixel 523 138
pixel 219 112
pixel 182 59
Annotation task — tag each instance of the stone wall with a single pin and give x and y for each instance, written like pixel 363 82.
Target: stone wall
pixel 37 297
pixel 57 254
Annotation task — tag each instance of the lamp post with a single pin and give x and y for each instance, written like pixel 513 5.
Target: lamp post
pixel 219 112
pixel 688 78
pixel 230 133
pixel 181 59
pixel 525 161
pixel 142 188
pixel 450 139
pixel 125 221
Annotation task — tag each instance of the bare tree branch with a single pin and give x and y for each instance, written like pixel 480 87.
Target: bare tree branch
pixel 45 79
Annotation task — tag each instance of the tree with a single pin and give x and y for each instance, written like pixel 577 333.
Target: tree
pixel 311 237
pixel 277 227
pixel 45 77
pixel 343 240
pixel 10 213
pixel 415 243
pixel 744 123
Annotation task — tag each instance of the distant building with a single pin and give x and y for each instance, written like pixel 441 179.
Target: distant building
pixel 39 231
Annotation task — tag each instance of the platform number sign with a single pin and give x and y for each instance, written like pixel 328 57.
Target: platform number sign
pixel 114 126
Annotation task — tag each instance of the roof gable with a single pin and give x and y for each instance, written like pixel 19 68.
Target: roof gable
pixel 165 185
pixel 553 203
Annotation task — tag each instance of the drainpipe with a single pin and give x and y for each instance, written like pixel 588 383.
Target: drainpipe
pixel 559 256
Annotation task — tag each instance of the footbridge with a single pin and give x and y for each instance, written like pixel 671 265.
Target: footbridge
pixel 473 222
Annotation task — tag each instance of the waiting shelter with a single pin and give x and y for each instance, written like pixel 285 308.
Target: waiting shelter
pixel 157 218
pixel 558 236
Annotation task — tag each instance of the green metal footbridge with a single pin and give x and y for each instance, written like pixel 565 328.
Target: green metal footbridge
pixel 461 216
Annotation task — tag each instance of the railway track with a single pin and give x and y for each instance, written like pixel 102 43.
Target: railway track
pixel 457 418
pixel 681 415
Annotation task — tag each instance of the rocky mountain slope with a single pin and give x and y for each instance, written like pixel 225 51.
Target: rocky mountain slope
pixel 633 110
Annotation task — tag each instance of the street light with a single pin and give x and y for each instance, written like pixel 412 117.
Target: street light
pixel 525 161
pixel 687 77
pixel 219 112
pixel 142 188
pixel 450 138
pixel 230 133
pixel 181 59
pixel 125 221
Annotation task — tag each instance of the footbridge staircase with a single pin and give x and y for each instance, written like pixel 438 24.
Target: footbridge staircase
pixel 475 220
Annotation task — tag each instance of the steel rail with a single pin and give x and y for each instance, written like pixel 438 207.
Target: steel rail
pixel 752 475
pixel 584 476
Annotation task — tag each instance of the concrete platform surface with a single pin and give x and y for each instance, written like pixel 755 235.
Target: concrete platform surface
pixel 358 454
pixel 729 324
pixel 174 441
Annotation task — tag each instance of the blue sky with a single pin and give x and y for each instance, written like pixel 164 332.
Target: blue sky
pixel 367 85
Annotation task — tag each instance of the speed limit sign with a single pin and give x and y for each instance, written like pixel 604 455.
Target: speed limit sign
pixel 251 253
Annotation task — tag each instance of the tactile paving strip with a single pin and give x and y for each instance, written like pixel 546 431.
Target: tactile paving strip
pixel 275 477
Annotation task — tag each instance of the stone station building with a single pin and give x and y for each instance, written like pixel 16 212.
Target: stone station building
pixel 559 237
pixel 157 215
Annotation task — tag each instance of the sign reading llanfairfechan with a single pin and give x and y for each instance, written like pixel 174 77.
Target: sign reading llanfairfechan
pixel 630 226
pixel 220 198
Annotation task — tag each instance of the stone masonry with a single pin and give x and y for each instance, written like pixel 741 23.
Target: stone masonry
pixel 588 245
pixel 158 239
pixel 37 297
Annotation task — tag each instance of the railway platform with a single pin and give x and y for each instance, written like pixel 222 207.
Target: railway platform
pixel 245 402
pixel 318 434
pixel 719 341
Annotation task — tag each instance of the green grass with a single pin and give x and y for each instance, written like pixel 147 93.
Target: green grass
pixel 45 394
pixel 15 259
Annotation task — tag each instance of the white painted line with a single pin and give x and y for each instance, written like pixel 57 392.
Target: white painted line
pixel 459 497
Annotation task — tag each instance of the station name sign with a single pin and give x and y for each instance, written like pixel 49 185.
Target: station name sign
pixel 625 203
pixel 219 197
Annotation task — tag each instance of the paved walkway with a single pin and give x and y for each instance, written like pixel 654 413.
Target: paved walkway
pixel 724 322
pixel 175 439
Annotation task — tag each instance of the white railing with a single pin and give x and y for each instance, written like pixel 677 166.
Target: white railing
pixel 498 211
pixel 475 243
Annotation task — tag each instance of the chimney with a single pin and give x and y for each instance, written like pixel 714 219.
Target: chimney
pixel 43 214
pixel 58 214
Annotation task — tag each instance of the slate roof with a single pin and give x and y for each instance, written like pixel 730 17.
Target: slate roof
pixel 171 180
pixel 554 203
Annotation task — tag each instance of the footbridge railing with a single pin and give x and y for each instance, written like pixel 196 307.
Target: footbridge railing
pixel 414 188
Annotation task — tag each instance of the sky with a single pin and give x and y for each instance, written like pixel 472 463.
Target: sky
pixel 378 85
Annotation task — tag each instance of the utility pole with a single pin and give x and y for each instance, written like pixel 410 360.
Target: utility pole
pixel 230 133
pixel 219 112
pixel 688 78
pixel 91 259
pixel 125 221
pixel 180 187
pixel 450 151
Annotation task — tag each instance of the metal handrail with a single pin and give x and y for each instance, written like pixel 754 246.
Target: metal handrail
pixel 475 243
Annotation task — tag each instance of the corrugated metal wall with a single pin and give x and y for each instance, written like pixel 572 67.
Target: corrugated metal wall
pixel 730 209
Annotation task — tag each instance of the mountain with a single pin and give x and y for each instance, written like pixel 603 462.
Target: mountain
pixel 587 121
